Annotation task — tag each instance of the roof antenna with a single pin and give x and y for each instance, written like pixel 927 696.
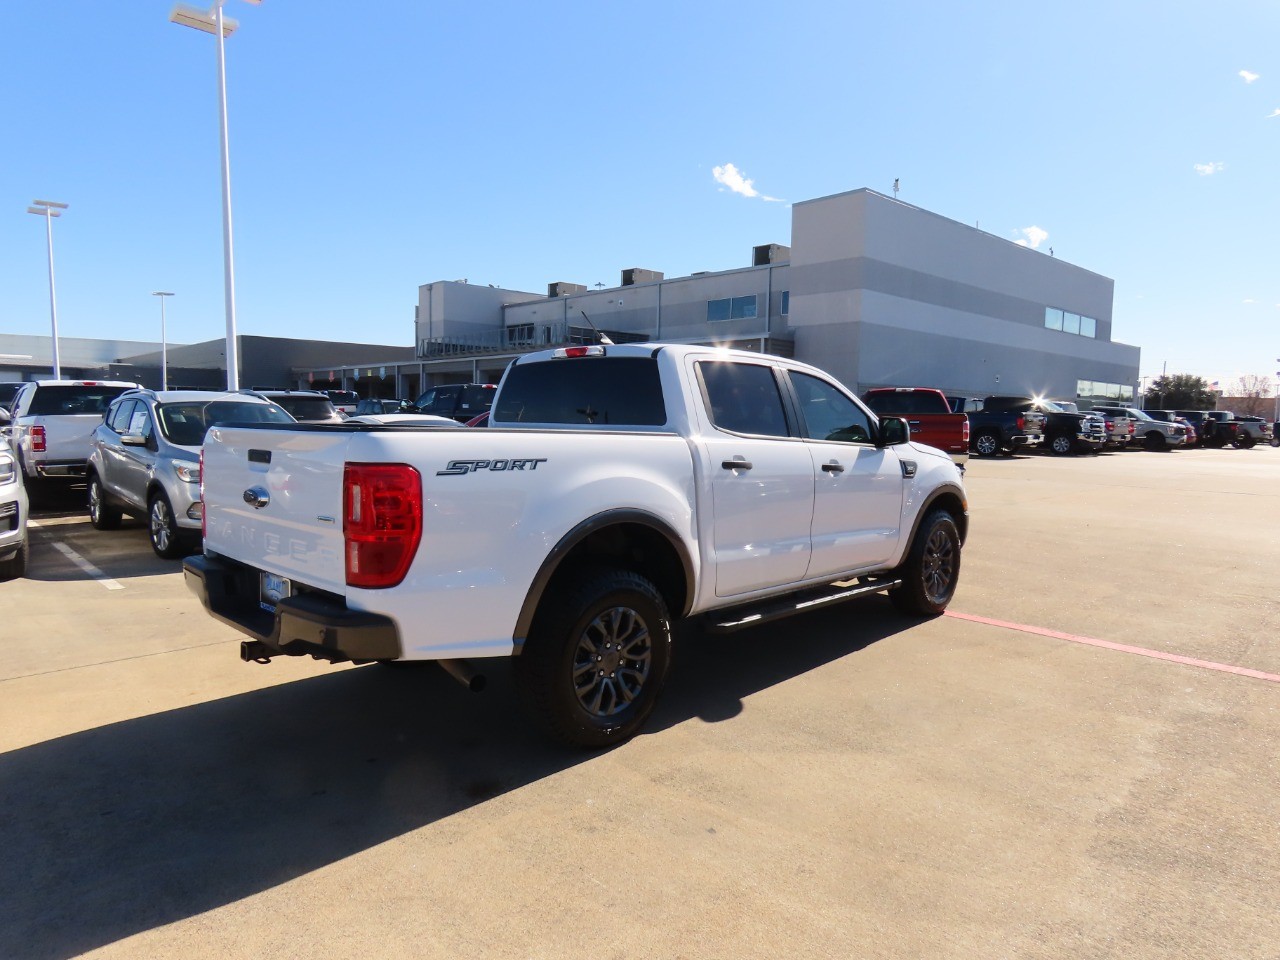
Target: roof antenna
pixel 895 187
pixel 603 339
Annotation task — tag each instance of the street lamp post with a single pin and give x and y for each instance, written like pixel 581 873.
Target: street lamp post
pixel 50 209
pixel 164 343
pixel 214 22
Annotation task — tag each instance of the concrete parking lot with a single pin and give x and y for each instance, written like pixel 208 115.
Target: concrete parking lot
pixel 1064 766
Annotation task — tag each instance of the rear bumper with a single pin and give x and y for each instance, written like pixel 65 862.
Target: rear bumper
pixel 59 469
pixel 315 624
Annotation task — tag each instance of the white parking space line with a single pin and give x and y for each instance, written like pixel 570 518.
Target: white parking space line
pixel 87 567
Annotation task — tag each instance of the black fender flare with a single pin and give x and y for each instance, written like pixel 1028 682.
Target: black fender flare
pixel 941 491
pixel 580 532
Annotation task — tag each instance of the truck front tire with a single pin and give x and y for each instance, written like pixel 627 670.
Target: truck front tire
pixel 597 657
pixel 932 568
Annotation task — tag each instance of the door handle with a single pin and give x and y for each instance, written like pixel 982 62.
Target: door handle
pixel 833 467
pixel 913 423
pixel 736 464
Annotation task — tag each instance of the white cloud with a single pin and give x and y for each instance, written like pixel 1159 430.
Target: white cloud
pixel 1032 237
pixel 1274 113
pixel 1247 76
pixel 1208 169
pixel 1250 300
pixel 732 178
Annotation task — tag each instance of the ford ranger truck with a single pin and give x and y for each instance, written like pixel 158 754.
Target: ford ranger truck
pixel 617 489
pixel 929 416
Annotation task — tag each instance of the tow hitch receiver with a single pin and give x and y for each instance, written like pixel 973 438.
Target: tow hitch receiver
pixel 255 651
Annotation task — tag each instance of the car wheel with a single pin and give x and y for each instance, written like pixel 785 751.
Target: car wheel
pixel 1060 444
pixel 986 444
pixel 1154 440
pixel 1246 442
pixel 932 568
pixel 15 566
pixel 1275 441
pixel 102 515
pixel 597 657
pixel 166 539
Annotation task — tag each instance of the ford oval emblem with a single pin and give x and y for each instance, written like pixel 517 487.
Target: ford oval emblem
pixel 256 497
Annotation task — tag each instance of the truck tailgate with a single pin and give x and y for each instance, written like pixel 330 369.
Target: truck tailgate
pixel 68 437
pixel 295 480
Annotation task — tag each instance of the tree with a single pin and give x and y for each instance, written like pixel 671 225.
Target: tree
pixel 1251 396
pixel 1180 391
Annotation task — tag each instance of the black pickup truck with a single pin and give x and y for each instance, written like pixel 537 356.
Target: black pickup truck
pixel 1211 431
pixel 1065 430
pixel 998 431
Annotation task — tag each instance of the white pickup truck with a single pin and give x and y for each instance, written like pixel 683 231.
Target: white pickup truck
pixel 53 424
pixel 617 488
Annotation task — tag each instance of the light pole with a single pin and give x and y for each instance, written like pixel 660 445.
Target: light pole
pixel 164 343
pixel 50 209
pixel 214 22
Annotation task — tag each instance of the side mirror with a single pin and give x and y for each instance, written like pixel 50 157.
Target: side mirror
pixel 133 440
pixel 893 431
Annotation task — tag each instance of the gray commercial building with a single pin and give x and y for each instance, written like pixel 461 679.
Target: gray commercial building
pixel 873 290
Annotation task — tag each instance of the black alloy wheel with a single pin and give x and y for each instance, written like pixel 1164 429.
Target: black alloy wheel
pixel 932 568
pixel 597 657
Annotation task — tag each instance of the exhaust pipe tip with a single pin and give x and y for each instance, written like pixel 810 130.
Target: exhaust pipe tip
pixel 465 674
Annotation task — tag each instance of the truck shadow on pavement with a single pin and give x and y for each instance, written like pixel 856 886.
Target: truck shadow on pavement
pixel 116 830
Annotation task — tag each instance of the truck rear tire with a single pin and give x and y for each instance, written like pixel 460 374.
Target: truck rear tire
pixel 597 657
pixel 1154 440
pixel 932 569
pixel 1061 444
pixel 987 444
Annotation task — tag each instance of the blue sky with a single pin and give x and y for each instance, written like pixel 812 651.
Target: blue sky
pixel 376 147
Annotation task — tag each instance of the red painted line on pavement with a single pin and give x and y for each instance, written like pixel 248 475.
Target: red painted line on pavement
pixel 1122 647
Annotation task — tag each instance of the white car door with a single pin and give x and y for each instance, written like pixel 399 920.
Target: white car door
pixel 857 504
pixel 761 479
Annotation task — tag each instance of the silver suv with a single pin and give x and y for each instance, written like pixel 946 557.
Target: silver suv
pixel 146 459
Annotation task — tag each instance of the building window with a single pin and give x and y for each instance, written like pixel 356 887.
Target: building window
pixel 1100 392
pixel 786 302
pixel 1056 319
pixel 732 308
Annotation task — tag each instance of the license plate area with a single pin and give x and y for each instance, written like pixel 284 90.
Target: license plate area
pixel 272 590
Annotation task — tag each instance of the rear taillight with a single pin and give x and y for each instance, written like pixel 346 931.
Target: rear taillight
pixel 966 431
pixel 1022 422
pixel 37 439
pixel 1131 429
pixel 381 522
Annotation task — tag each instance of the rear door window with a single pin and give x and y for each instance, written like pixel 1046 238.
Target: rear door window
pixel 120 418
pixel 744 398
pixel 605 391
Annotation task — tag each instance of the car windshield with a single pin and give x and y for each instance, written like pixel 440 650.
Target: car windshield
pixel 186 422
pixel 1048 406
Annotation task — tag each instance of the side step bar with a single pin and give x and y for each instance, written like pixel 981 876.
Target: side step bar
pixel 726 621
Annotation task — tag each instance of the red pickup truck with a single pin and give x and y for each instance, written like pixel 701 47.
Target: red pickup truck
pixel 928 414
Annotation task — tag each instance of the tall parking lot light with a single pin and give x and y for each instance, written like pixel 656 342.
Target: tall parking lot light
pixel 50 209
pixel 214 22
pixel 164 343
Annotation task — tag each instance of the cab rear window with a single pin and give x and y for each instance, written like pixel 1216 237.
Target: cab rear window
pixel 69 400
pixel 604 391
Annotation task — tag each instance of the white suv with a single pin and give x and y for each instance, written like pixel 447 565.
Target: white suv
pixel 146 459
